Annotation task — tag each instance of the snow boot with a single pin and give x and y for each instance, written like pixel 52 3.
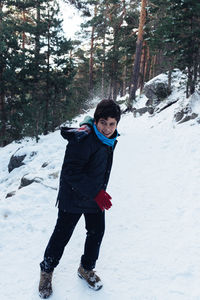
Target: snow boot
pixel 45 285
pixel 92 280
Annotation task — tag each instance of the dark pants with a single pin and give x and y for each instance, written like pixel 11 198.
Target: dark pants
pixel 66 223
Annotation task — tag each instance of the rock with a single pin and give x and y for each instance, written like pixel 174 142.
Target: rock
pixel 198 120
pixel 156 90
pixel 187 118
pixel 139 111
pixel 54 175
pixel 150 110
pixel 178 116
pixel 149 102
pixel 188 109
pixel 143 110
pixel 45 164
pixel 165 105
pixel 25 181
pixel 10 194
pixel 17 159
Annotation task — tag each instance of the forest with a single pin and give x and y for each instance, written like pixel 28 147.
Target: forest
pixel 46 78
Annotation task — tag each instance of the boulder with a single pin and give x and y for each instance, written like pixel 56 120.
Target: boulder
pixel 10 194
pixel 188 109
pixel 143 110
pixel 156 90
pixel 17 159
pixel 54 175
pixel 45 164
pixel 27 180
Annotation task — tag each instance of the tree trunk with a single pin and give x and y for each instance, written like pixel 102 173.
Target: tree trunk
pixel 155 64
pixel 115 60
pixel 170 75
pixel 3 116
pixel 114 69
pixel 146 69
pixel 23 33
pixel 36 90
pixel 169 79
pixel 195 72
pixel 136 66
pixel 190 82
pixel 152 67
pixel 103 70
pixel 46 112
pixel 37 36
pixel 110 90
pixel 124 76
pixel 91 62
pixel 142 67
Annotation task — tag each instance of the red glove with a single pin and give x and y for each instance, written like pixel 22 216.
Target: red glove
pixel 103 200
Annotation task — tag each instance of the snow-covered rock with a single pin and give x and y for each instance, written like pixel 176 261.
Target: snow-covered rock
pixel 156 90
pixel 158 98
pixel 142 110
pixel 156 95
pixel 16 161
pixel 18 158
pixel 188 109
pixel 10 194
pixel 27 179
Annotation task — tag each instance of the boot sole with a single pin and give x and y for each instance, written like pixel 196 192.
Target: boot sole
pixel 91 287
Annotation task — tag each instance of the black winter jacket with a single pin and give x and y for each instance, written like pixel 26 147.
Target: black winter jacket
pixel 85 171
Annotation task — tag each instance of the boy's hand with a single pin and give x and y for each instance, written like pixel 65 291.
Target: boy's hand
pixel 103 200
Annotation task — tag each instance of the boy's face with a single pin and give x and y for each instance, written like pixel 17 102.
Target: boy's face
pixel 106 126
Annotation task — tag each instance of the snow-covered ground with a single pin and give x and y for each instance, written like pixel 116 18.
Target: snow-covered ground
pixel 151 248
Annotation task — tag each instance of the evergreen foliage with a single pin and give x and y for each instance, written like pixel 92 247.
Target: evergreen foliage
pixel 36 69
pixel 113 45
pixel 171 40
pixel 176 30
pixel 45 78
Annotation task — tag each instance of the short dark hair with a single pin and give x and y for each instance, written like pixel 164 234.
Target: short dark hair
pixel 107 108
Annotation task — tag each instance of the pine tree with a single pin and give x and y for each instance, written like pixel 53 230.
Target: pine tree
pixel 177 33
pixel 112 45
pixel 11 61
pixel 35 70
pixel 139 44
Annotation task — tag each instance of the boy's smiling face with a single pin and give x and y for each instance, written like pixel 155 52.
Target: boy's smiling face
pixel 106 126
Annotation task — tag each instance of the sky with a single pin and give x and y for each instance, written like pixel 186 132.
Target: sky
pixel 71 19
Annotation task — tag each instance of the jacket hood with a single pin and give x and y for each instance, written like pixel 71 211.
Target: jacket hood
pixel 87 121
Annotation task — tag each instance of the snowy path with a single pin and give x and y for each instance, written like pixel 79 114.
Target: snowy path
pixel 151 249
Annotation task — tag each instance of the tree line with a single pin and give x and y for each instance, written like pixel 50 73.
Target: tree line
pixel 36 70
pixel 46 78
pixel 130 42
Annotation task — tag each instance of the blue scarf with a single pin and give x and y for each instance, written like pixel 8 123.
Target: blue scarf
pixel 103 138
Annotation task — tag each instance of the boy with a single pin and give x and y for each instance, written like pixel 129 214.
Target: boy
pixel 83 181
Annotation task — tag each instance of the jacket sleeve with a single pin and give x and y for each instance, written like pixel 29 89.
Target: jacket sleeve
pixel 78 159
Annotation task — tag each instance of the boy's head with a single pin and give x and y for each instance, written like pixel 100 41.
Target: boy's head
pixel 107 116
pixel 107 108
